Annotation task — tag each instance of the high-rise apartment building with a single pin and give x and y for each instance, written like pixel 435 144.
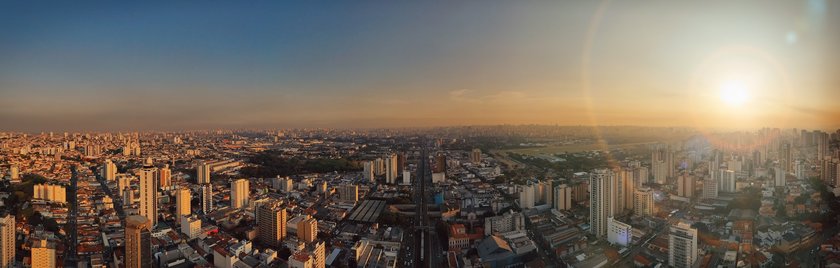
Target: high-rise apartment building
pixel 440 163
pixel 138 242
pixel 391 169
pixel 406 177
pixel 307 229
pixel 628 188
pixel 182 203
pixel 710 188
pixel 727 181
pixel 206 198
pixel 49 192
pixel 562 197
pixel 601 184
pixel 43 254
pixel 780 176
pixel 800 169
pixel 475 156
pixel 191 226
pixel 14 172
pixel 348 193
pixel 682 246
pixel 526 196
pixel 368 171
pixel 662 164
pixel 313 255
pixel 7 240
pixel 148 194
pixel 239 193
pixel 165 177
pixel 123 182
pixel 109 170
pixel 284 184
pixel 203 173
pixel 828 170
pixel 643 202
pixel 504 223
pixel 685 186
pixel 400 163
pixel 271 226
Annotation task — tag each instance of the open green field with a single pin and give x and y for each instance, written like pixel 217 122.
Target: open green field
pixel 574 148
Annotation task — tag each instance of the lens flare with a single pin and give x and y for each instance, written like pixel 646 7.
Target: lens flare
pixel 734 93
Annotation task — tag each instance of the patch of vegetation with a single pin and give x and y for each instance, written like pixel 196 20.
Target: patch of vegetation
pixel 273 163
pixel 749 198
pixel 574 163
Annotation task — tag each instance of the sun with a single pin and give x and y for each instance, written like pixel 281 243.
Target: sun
pixel 734 93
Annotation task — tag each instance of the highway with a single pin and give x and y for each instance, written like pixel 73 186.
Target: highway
pixel 426 248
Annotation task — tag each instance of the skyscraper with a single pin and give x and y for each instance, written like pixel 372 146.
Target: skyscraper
pixel 601 183
pixel 43 254
pixel 239 193
pixel 643 202
pixel 138 242
pixel 307 229
pixel 682 246
pixel 206 198
pixel 7 240
pixel 109 170
pixel 271 226
pixel 148 194
pixel 182 203
pixel 203 173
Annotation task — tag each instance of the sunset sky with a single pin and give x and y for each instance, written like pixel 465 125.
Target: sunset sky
pixel 165 66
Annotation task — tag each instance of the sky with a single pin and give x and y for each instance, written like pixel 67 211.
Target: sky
pixel 115 66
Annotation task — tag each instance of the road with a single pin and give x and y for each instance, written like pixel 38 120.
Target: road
pixel 73 236
pixel 118 204
pixel 426 250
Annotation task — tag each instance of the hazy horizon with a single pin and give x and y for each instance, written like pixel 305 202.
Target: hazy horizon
pixel 177 66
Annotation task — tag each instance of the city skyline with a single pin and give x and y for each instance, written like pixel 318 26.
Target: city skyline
pixel 121 67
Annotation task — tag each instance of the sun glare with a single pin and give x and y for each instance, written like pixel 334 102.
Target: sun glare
pixel 734 93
